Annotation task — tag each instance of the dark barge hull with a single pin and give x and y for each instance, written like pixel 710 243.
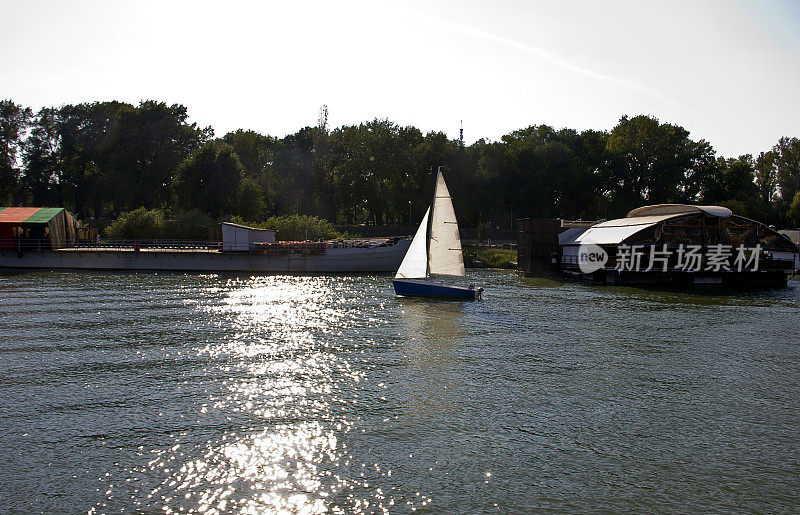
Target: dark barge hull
pixel 688 280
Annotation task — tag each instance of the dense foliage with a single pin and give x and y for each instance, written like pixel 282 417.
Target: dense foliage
pixel 140 224
pixel 297 228
pixel 103 159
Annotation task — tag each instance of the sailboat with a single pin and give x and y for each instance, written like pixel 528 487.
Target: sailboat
pixel 435 250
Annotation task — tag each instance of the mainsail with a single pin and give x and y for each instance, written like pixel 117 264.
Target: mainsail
pixel 444 252
pixel 415 263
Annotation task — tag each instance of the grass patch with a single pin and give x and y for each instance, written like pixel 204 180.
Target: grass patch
pixel 481 257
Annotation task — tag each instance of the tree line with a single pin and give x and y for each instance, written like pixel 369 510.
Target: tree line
pixel 103 159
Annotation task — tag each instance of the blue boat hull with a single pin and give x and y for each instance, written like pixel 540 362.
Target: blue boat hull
pixel 421 288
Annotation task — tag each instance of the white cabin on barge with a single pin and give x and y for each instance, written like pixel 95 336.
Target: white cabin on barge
pixel 238 238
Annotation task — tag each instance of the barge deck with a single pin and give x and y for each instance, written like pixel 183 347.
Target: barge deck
pixel 334 259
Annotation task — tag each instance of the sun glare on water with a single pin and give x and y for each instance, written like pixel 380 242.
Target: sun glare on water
pixel 274 419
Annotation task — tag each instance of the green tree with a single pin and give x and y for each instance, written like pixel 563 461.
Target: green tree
pixel 534 159
pixel 293 172
pixel 14 120
pixel 584 189
pixel 209 180
pixel 738 178
pixel 83 180
pixel 42 160
pixel 322 179
pixel 145 146
pixel 551 173
pixel 251 204
pixel 483 162
pixel 256 153
pixel 768 209
pixel 107 157
pixel 115 156
pixel 738 185
pixel 767 176
pixel 794 210
pixel 787 162
pixel 651 162
pixel 376 170
pixel 701 178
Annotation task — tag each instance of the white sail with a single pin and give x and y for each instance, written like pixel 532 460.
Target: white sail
pixel 444 252
pixel 415 262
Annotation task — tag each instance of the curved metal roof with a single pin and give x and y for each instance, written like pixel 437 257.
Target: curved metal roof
pixel 610 235
pixel 616 231
pixel 639 220
pixel 682 209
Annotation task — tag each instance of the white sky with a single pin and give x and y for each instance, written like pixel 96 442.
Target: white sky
pixel 728 71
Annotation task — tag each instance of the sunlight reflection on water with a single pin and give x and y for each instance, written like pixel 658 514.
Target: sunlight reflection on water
pixel 186 393
pixel 284 375
pixel 280 366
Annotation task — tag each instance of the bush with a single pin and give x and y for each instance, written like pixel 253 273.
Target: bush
pixel 298 228
pixel 139 224
pixel 490 258
pixel 190 225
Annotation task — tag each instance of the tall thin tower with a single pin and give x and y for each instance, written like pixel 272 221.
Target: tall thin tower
pixel 461 135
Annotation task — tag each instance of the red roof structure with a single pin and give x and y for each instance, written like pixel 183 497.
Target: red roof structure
pixel 11 215
pixel 36 227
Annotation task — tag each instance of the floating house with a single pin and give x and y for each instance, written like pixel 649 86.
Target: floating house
pixel 36 228
pixel 241 238
pixel 676 244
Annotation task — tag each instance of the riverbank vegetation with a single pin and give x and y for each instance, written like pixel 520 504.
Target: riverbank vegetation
pixel 106 160
pixel 153 224
pixel 479 256
pixel 297 228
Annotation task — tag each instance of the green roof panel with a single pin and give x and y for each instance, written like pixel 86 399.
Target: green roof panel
pixel 44 215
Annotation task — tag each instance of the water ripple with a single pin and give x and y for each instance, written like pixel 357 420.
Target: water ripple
pixel 310 394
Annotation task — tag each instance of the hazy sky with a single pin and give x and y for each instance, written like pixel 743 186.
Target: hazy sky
pixel 728 71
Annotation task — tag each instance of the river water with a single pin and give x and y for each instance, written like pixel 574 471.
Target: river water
pixel 144 392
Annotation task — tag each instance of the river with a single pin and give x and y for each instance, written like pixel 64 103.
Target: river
pixel 139 392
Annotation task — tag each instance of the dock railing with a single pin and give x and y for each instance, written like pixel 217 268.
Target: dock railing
pixel 43 244
pixel 152 244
